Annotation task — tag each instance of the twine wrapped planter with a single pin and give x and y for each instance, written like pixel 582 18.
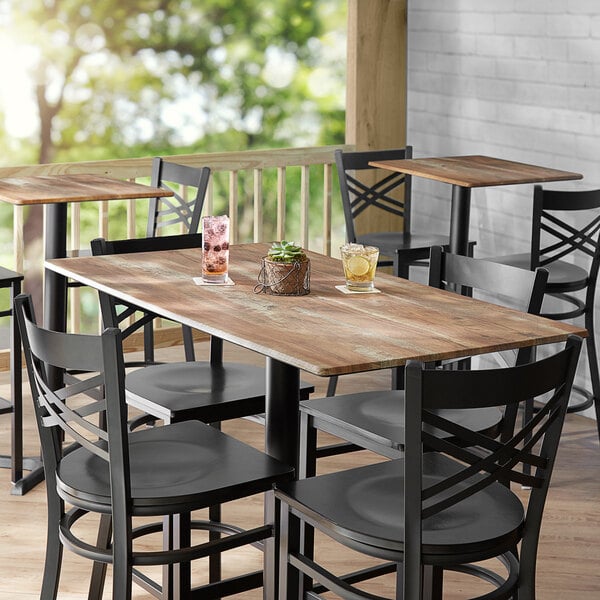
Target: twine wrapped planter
pixel 284 279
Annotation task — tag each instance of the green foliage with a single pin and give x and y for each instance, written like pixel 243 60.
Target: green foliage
pixel 142 77
pixel 112 79
pixel 286 252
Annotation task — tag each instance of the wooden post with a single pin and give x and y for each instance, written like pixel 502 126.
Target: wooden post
pixel 376 74
pixel 376 87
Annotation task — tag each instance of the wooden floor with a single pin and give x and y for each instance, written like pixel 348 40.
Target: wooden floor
pixel 569 554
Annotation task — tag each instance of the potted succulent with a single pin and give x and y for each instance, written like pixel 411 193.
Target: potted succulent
pixel 285 270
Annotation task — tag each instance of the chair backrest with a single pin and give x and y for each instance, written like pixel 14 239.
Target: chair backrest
pixel 384 193
pixel 494 282
pixel 555 238
pixel 77 410
pixel 519 288
pixel 471 461
pixel 115 312
pixel 185 207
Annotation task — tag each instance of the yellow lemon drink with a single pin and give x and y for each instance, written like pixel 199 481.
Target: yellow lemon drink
pixel 360 263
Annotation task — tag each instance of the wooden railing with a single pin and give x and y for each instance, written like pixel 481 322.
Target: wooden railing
pixel 256 179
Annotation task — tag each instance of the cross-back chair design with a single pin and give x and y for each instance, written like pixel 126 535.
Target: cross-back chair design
pixel 184 208
pixel 447 503
pixel 389 193
pixel 565 240
pixel 211 391
pixel 120 475
pixel 374 419
pixel 180 212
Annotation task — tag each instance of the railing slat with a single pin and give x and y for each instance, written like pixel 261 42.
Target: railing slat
pixel 281 200
pixel 233 207
pixel 258 205
pixel 232 163
pixel 327 179
pixel 304 204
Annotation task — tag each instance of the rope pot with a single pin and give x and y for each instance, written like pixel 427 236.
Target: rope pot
pixel 284 279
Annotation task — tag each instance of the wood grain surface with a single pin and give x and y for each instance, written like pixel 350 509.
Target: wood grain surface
pixel 476 170
pixel 53 189
pixel 326 332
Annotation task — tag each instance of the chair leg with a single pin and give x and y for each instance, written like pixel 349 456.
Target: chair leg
pixel 214 561
pixel 593 365
pixel 433 582
pixel 289 577
pixel 54 552
pixel 307 468
pixel 214 514
pixel 99 569
pixel 122 570
pixel 177 578
pixel 188 343
pixel 332 386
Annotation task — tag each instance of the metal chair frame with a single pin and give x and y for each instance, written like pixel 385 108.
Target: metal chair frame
pixel 163 472
pixel 447 503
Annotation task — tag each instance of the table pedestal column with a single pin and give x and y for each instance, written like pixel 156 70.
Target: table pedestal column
pixel 55 285
pixel 459 220
pixel 281 442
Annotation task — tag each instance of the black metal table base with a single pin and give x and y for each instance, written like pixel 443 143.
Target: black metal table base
pixel 26 482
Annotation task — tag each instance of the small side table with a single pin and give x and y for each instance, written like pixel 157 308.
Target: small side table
pixel 466 172
pixel 57 191
pixel 15 460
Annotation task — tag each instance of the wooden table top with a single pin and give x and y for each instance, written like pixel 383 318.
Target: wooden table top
pixel 476 171
pixel 54 189
pixel 325 332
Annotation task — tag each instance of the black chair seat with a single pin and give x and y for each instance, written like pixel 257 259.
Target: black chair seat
pixel 445 504
pixel 174 468
pixel 197 390
pixel 97 470
pixel 375 420
pixel 365 504
pixel 562 276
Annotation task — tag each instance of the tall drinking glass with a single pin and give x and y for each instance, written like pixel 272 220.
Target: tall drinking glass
pixel 215 249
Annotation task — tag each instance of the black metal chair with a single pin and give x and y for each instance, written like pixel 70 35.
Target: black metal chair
pixel 11 280
pixel 180 212
pixel 210 391
pixel 447 503
pixel 367 194
pixel 565 240
pixel 184 208
pixel 374 419
pixel 364 192
pixel 177 214
pixel 120 475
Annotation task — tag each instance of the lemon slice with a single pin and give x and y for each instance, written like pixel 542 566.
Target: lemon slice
pixel 358 265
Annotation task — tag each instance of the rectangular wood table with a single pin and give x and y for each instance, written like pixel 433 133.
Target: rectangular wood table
pixel 466 172
pixel 325 332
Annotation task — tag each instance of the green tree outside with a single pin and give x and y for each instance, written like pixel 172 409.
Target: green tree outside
pixel 107 79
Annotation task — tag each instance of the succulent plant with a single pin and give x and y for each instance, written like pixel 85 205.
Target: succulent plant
pixel 286 252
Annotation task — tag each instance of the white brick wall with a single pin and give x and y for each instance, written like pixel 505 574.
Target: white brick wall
pixel 516 79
